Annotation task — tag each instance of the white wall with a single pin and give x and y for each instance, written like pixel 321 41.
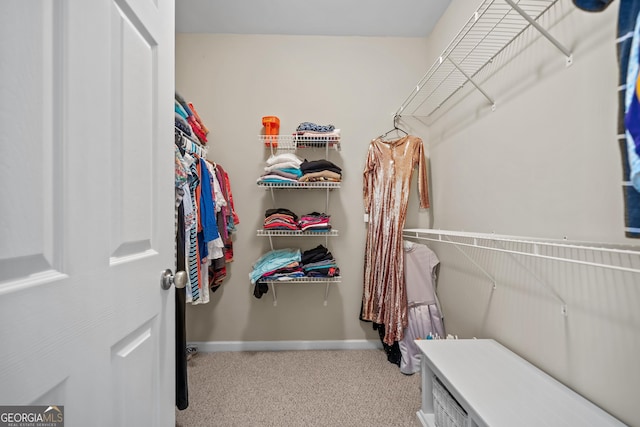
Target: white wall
pixel 548 155
pixel 353 83
pixel 545 164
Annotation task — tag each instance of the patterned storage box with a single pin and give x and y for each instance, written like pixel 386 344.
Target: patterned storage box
pixel 447 412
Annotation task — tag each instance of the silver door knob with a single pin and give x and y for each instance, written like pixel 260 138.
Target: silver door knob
pixel 168 278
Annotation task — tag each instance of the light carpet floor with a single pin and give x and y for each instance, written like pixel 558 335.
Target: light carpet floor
pixel 329 388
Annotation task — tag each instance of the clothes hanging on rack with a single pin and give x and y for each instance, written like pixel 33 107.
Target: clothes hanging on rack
pixel 632 108
pixel 387 180
pixel 189 143
pixel 423 310
pixel 182 389
pixel 193 286
pixel 628 12
pixel 391 350
pixel 227 221
pixel 203 191
pixel 198 199
pixel 194 123
pixel 592 5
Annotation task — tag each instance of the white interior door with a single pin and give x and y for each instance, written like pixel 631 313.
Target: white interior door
pixel 86 209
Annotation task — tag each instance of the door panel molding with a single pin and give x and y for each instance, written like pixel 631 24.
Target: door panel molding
pixel 31 154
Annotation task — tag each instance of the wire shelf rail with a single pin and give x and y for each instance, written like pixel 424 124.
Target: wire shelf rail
pixel 294 142
pixel 297 233
pixel 315 280
pixel 284 184
pixel 614 257
pixel 487 34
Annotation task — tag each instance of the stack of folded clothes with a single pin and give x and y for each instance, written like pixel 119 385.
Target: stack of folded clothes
pixel 314 221
pixel 278 264
pixel 318 262
pixel 285 219
pixel 286 264
pixel 282 168
pixel 280 219
pixel 315 135
pixel 319 171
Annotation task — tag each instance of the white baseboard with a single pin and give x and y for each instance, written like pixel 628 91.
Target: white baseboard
pixel 214 346
pixel 427 420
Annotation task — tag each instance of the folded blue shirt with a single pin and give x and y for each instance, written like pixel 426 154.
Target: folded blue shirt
pixel 312 127
pixel 273 260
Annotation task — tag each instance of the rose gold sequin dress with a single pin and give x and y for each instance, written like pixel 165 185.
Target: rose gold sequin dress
pixel 387 181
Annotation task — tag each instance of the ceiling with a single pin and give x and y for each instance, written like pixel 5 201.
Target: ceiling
pixel 381 18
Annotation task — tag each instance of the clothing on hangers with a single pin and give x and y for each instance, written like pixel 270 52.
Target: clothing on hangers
pixel 423 309
pixel 387 181
pixel 197 197
pixel 203 191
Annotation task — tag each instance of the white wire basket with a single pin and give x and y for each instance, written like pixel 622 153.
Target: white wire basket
pixel 447 412
pixel 293 142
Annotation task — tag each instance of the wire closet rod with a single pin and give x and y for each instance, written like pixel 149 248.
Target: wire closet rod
pixel 190 138
pixel 443 237
pixel 199 149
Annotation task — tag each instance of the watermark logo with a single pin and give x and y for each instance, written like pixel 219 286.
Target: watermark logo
pixel 32 416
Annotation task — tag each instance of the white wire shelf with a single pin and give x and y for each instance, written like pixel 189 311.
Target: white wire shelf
pixel 471 56
pixel 323 184
pixel 294 142
pixel 327 281
pixel 296 233
pixel 615 257
pixel 336 279
pixel 597 255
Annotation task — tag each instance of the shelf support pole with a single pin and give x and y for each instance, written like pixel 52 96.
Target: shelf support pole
pixel 275 298
pixel 468 77
pixel 326 293
pixel 472 261
pixel 545 33
pixel 549 288
pixel 273 198
pixel 326 205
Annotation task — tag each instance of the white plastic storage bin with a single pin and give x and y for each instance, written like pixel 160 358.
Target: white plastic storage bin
pixel 447 412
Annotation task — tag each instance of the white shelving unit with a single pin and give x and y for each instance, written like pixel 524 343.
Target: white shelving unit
pixel 471 56
pixel 298 185
pixel 295 142
pixel 611 256
pixel 328 186
pixel 298 233
pixel 289 143
pixel 314 280
pixel 497 388
pixel 292 233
